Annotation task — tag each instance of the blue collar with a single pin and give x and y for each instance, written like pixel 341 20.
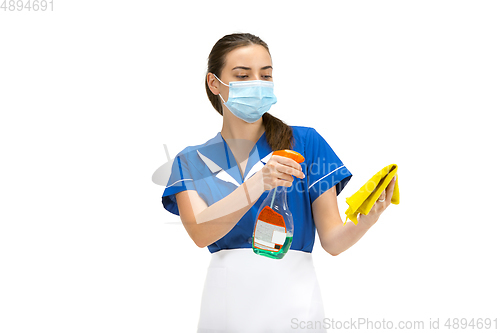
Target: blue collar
pixel 219 159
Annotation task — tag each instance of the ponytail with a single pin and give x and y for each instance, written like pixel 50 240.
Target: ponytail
pixel 278 134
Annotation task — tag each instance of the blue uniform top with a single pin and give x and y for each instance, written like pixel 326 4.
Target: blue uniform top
pixel 212 171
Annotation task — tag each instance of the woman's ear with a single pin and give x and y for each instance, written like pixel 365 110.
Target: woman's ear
pixel 212 84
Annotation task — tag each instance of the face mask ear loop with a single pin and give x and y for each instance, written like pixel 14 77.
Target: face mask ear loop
pixel 223 84
pixel 221 81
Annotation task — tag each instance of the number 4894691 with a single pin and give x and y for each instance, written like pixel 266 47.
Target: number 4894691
pixel 27 5
pixel 474 323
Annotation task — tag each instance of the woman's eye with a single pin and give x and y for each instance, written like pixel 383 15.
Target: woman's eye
pixel 241 76
pixel 267 76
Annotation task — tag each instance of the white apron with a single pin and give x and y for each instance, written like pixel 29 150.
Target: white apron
pixel 246 292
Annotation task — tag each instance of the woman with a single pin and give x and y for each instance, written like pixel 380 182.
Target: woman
pixel 217 188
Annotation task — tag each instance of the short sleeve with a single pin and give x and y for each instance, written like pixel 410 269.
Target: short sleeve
pixel 180 180
pixel 325 169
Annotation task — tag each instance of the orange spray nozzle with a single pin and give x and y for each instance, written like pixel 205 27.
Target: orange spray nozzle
pixel 290 154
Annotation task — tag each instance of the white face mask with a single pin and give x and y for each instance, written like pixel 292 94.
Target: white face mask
pixel 249 100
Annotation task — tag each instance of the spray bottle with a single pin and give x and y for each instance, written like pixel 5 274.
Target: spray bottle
pixel 273 228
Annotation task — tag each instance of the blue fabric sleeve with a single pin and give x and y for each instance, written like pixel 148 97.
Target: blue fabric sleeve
pixel 180 180
pixel 324 168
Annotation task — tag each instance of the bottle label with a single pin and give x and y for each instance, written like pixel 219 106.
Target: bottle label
pixel 270 230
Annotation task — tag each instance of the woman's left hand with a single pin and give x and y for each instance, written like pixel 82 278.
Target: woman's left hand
pixel 380 205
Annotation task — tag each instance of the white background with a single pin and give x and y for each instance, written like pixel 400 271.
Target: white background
pixel 91 91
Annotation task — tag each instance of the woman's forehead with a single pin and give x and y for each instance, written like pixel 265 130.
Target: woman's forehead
pixel 252 56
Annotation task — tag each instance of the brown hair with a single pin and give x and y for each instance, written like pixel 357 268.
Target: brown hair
pixel 278 134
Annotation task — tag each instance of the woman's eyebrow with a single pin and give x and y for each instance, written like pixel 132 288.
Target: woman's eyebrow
pixel 248 68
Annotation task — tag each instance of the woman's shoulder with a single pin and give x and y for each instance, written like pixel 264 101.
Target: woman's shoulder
pixel 309 139
pixel 192 150
pixel 300 128
pixel 303 132
pixel 303 139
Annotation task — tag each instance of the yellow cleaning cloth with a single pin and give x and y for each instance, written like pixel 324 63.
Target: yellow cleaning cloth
pixel 363 200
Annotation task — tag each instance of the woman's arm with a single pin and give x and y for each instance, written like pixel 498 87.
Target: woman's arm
pixel 207 224
pixel 336 237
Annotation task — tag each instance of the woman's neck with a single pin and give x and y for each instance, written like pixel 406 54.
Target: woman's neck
pixel 241 131
pixel 241 137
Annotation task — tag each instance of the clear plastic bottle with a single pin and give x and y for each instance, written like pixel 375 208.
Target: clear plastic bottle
pixel 273 229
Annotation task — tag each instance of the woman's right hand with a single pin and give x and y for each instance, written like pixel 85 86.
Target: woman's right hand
pixel 279 171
